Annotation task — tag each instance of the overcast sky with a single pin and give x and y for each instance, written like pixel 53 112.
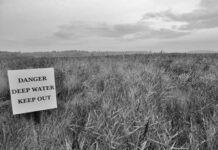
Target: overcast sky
pixel 108 25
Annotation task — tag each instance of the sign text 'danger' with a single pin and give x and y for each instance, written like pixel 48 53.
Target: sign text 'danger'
pixel 32 90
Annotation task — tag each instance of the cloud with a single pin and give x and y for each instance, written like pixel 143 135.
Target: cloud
pixel 139 30
pixel 165 24
pixel 204 17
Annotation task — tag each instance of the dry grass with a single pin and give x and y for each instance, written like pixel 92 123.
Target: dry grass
pixel 142 103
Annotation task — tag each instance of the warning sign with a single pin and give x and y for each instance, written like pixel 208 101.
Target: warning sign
pixel 32 90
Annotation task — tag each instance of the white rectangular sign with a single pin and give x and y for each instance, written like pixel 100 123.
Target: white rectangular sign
pixel 32 90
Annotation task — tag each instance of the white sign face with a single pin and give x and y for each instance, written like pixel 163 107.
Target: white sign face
pixel 32 90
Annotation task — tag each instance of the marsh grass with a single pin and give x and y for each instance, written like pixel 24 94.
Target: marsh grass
pixel 160 102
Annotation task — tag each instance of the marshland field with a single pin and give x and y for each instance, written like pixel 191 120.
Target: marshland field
pixel 156 101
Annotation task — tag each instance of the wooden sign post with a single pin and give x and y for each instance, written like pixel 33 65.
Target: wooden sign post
pixel 32 90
